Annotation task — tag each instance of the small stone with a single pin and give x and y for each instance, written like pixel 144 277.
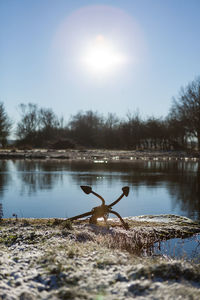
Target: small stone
pixel 120 277
pixel 139 287
pixel 26 296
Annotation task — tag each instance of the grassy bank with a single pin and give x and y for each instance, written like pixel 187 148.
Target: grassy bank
pixel 54 259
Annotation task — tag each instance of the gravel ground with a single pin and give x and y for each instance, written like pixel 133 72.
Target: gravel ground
pixel 98 155
pixel 52 259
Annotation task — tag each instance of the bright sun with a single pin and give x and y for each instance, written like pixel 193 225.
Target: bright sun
pixel 101 57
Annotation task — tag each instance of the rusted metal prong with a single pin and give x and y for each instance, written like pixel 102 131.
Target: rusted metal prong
pixel 97 195
pixel 80 216
pixel 88 190
pixel 125 190
pixel 125 225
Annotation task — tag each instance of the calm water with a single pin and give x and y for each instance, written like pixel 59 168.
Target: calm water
pixel 42 189
pixel 188 248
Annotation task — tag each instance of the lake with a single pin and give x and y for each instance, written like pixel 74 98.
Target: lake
pixel 51 188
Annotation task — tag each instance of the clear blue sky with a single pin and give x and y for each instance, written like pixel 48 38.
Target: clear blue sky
pixel 42 41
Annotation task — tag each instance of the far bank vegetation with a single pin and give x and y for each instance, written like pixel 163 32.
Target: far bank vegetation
pixel 42 128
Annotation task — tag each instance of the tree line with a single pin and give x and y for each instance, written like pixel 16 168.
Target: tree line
pixel 40 127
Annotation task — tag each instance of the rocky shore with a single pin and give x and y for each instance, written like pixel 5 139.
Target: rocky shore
pixel 99 155
pixel 54 259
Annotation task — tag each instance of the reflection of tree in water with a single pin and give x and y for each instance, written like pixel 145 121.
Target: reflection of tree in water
pixel 182 179
pixel 186 190
pixel 4 179
pixel 1 211
pixel 38 175
pixel 134 174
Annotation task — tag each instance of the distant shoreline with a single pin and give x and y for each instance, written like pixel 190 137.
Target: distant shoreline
pixel 100 156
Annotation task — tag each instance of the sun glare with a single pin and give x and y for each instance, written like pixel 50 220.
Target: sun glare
pixel 101 57
pixel 100 43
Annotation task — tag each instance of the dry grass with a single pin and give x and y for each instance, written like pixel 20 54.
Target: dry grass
pixel 139 240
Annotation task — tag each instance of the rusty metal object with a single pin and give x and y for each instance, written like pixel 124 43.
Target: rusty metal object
pixel 103 210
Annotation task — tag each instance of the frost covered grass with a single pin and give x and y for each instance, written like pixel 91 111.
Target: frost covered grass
pixel 54 259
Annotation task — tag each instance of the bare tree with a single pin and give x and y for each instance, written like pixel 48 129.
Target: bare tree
pixel 48 119
pixel 131 131
pixel 39 127
pixel 155 132
pixel 176 133
pixel 28 126
pixel 186 109
pixel 48 125
pixel 111 138
pixel 5 125
pixel 86 128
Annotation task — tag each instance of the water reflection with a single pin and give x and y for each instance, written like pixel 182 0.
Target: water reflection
pixel 4 176
pixel 4 179
pixel 36 176
pixel 179 180
pixel 135 174
pixel 185 189
pixel 188 248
